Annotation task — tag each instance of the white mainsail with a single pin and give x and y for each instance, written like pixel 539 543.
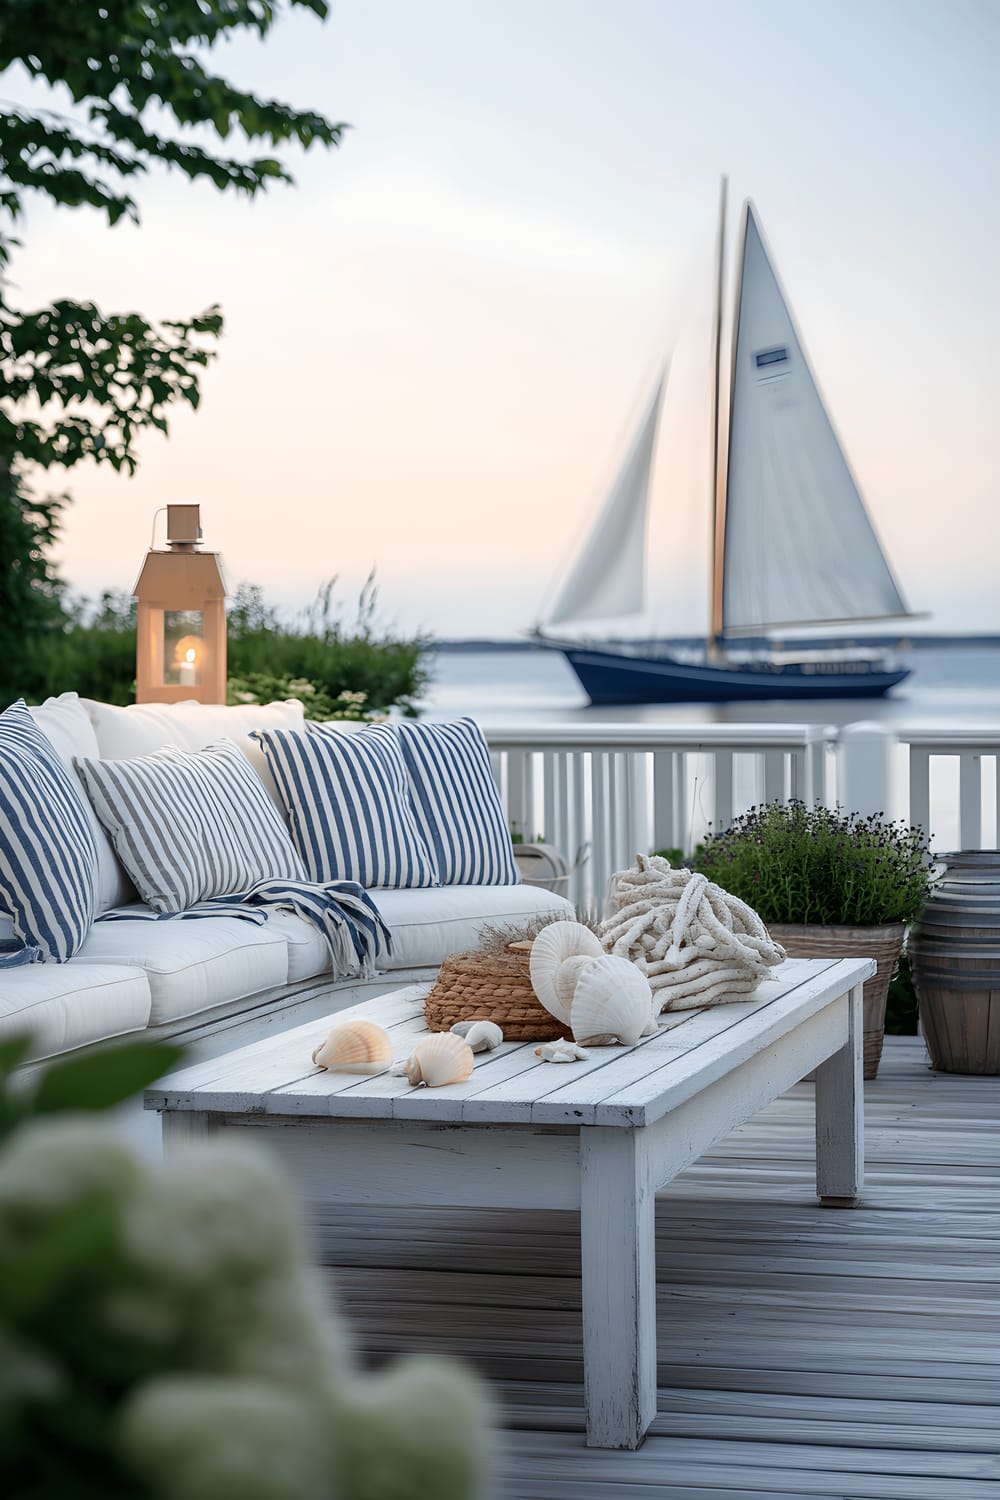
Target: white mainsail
pixel 799 546
pixel 609 577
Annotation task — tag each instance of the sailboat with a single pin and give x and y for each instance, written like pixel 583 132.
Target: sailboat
pixel 792 543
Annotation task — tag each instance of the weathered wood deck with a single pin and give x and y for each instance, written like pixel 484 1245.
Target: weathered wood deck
pixel 802 1351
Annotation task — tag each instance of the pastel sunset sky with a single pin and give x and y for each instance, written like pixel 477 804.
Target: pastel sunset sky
pixel 436 342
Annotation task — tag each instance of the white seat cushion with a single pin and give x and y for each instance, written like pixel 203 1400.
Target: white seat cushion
pixel 192 964
pixel 308 949
pixel 69 1005
pixel 428 924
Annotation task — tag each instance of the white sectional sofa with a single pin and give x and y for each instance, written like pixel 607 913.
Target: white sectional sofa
pixel 217 981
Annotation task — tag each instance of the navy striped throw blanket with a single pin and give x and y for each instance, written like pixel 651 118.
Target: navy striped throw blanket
pixel 343 911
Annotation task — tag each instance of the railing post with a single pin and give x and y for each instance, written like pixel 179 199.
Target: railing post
pixel 521 794
pixel 864 768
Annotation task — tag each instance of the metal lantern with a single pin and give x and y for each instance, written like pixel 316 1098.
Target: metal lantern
pixel 181 624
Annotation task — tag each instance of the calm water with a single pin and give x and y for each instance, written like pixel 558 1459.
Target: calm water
pixel 954 686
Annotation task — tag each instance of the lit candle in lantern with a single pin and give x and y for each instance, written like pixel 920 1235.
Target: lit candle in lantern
pixel 187 655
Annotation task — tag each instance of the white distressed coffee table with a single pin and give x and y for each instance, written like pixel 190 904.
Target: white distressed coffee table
pixel 599 1136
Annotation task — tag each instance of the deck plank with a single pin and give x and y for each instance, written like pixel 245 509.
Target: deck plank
pixel 801 1352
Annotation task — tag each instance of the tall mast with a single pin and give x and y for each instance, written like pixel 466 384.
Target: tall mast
pixel 718 500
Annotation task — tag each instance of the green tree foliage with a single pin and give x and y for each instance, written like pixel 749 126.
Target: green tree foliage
pixel 78 382
pixel 29 590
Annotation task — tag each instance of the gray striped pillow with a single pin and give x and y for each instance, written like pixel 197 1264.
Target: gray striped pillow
pixel 190 824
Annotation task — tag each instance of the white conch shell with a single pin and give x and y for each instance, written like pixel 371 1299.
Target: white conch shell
pixel 552 979
pixel 440 1059
pixel 561 1052
pixel 482 1036
pixel 355 1047
pixel 613 1002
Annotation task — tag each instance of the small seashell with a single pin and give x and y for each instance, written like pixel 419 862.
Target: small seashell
pixel 549 952
pixel 613 1002
pixel 440 1059
pixel 355 1047
pixel 482 1036
pixel 561 1052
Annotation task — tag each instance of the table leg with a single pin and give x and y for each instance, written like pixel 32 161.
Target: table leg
pixel 619 1286
pixel 840 1150
pixel 183 1126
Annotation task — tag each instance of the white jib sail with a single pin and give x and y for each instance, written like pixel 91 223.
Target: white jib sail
pixel 800 548
pixel 609 577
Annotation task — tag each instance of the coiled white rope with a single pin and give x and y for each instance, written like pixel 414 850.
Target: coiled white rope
pixel 696 944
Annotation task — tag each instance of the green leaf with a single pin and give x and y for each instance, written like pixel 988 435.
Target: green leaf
pixel 103 1077
pixel 78 1238
pixel 13 1052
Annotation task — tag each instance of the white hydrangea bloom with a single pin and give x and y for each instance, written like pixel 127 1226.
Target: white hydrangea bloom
pixel 52 1164
pixel 415 1432
pixel 215 1211
pixel 214 1437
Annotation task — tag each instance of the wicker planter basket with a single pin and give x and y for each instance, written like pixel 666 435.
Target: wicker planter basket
pixel 491 987
pixel 884 944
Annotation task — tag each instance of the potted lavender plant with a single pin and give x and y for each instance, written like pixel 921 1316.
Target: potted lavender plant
pixel 827 884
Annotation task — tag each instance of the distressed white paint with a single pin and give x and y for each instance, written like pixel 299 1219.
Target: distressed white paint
pixel 618 1259
pixel 840 1159
pixel 603 1134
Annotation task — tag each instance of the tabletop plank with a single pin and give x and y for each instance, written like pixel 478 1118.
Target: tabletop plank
pixel 653 1095
pixel 616 1085
pixel 225 1083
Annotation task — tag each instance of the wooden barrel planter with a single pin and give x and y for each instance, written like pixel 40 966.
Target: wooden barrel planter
pixel 882 943
pixel 955 961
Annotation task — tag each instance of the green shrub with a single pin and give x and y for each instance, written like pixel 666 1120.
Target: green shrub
pixel 794 863
pixel 334 656
pixel 92 652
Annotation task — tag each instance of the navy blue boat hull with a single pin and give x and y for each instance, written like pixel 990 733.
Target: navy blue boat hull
pixel 610 677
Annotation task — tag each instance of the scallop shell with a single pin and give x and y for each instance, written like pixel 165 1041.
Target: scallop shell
pixel 551 979
pixel 440 1059
pixel 355 1047
pixel 613 1002
pixel 482 1036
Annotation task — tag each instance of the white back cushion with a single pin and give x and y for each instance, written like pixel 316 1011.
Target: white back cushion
pixel 141 728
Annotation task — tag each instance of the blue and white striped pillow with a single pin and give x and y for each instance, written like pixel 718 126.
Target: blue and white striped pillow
pixel 457 803
pixel 348 806
pixel 48 857
pixel 189 825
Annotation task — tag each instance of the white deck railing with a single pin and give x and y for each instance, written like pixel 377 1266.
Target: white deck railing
pixel 611 790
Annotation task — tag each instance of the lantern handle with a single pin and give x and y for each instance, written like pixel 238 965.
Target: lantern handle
pixel 152 536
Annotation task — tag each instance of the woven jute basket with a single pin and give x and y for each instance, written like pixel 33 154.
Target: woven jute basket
pixel 496 987
pixel 883 944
